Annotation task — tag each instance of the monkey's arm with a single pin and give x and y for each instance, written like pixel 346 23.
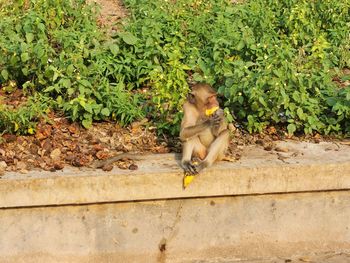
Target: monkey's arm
pixel 191 131
pixel 190 126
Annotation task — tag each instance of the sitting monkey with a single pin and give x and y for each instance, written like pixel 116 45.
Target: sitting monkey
pixel 204 132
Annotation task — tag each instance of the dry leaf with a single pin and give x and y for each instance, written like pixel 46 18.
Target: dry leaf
pixel 102 155
pixel 55 154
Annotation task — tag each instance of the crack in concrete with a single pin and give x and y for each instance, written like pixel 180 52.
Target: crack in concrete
pixel 163 244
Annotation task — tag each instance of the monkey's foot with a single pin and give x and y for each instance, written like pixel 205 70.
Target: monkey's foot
pixel 189 168
pixel 201 166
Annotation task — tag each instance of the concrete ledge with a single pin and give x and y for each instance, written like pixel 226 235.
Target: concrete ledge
pixel 301 167
pixel 260 229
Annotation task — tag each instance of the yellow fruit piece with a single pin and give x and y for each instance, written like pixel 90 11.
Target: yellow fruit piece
pixel 211 111
pixel 187 180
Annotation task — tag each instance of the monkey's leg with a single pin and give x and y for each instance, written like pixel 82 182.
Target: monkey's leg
pixel 187 150
pixel 216 150
pixel 200 150
pixel 190 148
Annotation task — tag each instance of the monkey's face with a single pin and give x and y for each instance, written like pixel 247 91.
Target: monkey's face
pixel 211 102
pixel 203 97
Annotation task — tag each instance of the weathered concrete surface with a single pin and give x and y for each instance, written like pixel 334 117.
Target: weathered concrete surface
pixel 221 229
pixel 305 167
pixel 329 257
pixel 267 207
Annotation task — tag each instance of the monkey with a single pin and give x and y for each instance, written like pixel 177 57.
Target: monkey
pixel 202 136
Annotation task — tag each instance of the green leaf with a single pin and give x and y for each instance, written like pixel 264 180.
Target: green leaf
pixel 70 91
pixel 70 70
pixel 300 113
pixel 5 74
pixel 25 71
pixel 40 52
pixel 41 27
pixel 296 96
pixel 331 101
pixel 85 83
pixel 262 101
pixel 87 123
pixel 50 88
pixel 291 128
pixel 114 49
pixel 66 83
pixel 24 57
pixel 29 37
pixel 128 38
pixel 240 45
pixel 105 112
pixel 55 76
pixel 88 108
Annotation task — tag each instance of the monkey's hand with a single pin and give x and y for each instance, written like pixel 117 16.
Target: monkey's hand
pixel 189 168
pixel 214 120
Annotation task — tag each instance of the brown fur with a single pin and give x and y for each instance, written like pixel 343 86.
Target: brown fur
pixel 204 137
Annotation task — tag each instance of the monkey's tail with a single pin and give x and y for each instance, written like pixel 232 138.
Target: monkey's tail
pixel 111 160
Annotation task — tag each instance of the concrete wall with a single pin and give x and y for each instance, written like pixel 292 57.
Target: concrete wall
pixel 188 230
pixel 307 213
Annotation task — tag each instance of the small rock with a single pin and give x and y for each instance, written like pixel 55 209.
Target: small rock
pixel 281 149
pixel 133 167
pixel 259 142
pixel 107 167
pixel 268 147
pixel 58 165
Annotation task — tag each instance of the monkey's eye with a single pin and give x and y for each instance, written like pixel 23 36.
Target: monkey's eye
pixel 211 100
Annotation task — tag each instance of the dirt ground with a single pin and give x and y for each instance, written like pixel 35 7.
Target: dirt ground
pixel 112 12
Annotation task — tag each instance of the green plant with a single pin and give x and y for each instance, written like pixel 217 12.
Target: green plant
pixel 55 48
pixel 22 120
pixel 273 61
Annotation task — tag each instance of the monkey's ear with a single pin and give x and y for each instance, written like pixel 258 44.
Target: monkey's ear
pixel 191 98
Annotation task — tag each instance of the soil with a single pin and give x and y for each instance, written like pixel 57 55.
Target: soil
pixel 59 143
pixel 112 12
